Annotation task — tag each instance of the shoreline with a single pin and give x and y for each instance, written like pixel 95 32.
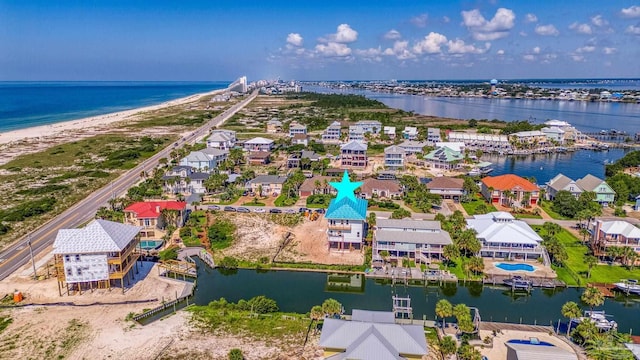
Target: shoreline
pixel 9 137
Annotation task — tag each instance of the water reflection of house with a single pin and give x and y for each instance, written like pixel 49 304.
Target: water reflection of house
pixel 417 240
pixel 345 282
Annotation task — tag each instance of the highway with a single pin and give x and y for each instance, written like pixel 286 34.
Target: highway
pixel 17 254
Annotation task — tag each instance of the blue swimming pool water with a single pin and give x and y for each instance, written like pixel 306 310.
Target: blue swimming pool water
pixel 515 267
pixel 529 342
pixel 150 244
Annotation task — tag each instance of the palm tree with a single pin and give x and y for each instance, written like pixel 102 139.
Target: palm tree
pixel 592 297
pixel 450 252
pixel 590 261
pixel 316 313
pixel 586 330
pixel 448 346
pixel 509 195
pixel 317 184
pixel 571 310
pixel 331 307
pixel 632 258
pixel 584 232
pixel 475 265
pixel 461 312
pixel 444 309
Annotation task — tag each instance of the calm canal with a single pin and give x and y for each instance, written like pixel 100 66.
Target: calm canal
pixel 299 291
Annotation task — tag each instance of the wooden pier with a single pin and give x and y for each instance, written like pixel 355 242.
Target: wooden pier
pixel 605 289
pixel 175 267
pixel 540 282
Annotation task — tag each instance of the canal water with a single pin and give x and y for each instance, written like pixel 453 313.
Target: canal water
pixel 299 291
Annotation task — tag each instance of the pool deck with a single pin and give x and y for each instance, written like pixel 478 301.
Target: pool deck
pixel 498 350
pixel 542 276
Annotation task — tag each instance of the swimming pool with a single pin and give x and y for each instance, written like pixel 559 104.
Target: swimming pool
pixel 150 244
pixel 515 267
pixel 530 342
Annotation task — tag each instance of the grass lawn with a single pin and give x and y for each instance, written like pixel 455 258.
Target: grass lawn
pixel 546 206
pixel 191 241
pixel 470 207
pixel 251 203
pixel 577 251
pixel 456 267
pixel 527 216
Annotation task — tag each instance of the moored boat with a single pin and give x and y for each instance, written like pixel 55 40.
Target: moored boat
pixel 599 318
pixel 518 282
pixel 628 286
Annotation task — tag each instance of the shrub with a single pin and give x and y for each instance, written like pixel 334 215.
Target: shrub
pixel 262 305
pixel 228 262
pixel 169 254
pixel 236 354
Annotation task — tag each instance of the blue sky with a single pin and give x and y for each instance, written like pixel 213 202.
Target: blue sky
pixel 317 40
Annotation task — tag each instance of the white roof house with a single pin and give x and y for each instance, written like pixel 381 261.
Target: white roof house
pixel 259 141
pixel 536 352
pixel 99 236
pixel 501 227
pixel 623 228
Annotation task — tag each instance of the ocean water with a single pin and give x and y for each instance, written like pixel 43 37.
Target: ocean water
pixel 27 104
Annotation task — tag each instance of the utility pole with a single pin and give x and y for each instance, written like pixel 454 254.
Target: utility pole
pixel 33 261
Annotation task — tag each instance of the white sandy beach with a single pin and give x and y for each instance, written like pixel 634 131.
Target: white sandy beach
pixel 91 122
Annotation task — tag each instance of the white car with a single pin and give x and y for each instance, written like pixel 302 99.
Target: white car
pixel 259 210
pixel 290 211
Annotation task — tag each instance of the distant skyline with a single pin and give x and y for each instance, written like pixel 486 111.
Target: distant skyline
pixel 318 40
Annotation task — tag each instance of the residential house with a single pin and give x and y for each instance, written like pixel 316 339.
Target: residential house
pixel 222 139
pixel 614 233
pixel 458 146
pixel 149 216
pixel 509 190
pixel 259 157
pixel 447 187
pixel 389 131
pixel 531 138
pixel 316 185
pixel 410 133
pixel 332 133
pixel 433 136
pixel 553 134
pixel 297 129
pixel 333 172
pixel 636 207
pixel 372 335
pixel 274 126
pixel 346 223
pixel 485 142
pixel 206 159
pixel 353 154
pixel 376 188
pixel 568 132
pixel 411 147
pixel 394 157
pixel 527 351
pixel 504 237
pixel 259 144
pixel 444 158
pixel 604 193
pixel 559 183
pixel 369 126
pixel 356 134
pixel 269 184
pixel 418 240
pixel 98 256
pixel 300 139
pixel 184 179
pixel 295 159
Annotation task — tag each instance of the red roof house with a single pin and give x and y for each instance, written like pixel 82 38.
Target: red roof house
pixel 148 215
pixel 510 190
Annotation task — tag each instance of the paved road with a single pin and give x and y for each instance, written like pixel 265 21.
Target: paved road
pixel 17 254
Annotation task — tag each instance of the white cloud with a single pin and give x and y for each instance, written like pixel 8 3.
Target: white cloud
pixel 536 50
pixel 500 52
pixel 294 39
pixel 446 19
pixel 483 30
pixel 392 35
pixel 577 58
pixel 459 47
pixel 344 34
pixel 609 50
pixel 529 57
pixel 631 12
pixel 599 21
pixel 522 33
pixel 370 55
pixel 581 28
pixel 420 20
pixel 400 50
pixel 586 49
pixel 633 30
pixel 333 49
pixel 430 44
pixel 530 18
pixel 547 30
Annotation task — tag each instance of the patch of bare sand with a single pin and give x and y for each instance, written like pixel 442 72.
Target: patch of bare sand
pixel 256 237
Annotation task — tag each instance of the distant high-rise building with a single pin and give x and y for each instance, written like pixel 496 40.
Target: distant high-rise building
pixel 239 85
pixel 494 82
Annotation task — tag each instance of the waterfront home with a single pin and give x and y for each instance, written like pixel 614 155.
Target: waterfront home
pixel 447 187
pixel 98 256
pixel 411 147
pixel 353 154
pixel 458 146
pixel 300 139
pixel 295 159
pixel 372 335
pixel 153 217
pixel 561 182
pixel 484 142
pixel 259 157
pixel 316 185
pixel 332 133
pixel 604 193
pixel 530 138
pixel 553 134
pixel 265 185
pixel 504 237
pixel 394 157
pixel 259 144
pixel 390 131
pixel 418 240
pixel 509 190
pixel 376 188
pixel 184 179
pixel 614 233
pixel 274 126
pixel 568 131
pixel 369 126
pixel 433 136
pixel 525 351
pixel 356 134
pixel 222 139
pixel 205 160
pixel 297 129
pixel 444 158
pixel 410 133
pixel 346 216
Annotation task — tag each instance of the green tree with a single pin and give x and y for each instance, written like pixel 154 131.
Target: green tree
pixel 565 204
pixel 585 331
pixel 450 252
pixel 400 214
pixel 444 309
pixel 592 297
pixel 235 354
pixel 448 346
pixel 475 265
pixel 216 182
pixel 571 310
pixel 316 313
pixel 468 352
pixel 228 262
pixel 263 305
pixel 331 307
pixel 461 312
pixel 590 261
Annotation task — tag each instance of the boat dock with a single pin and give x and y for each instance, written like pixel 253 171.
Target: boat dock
pixel 548 283
pixel 605 289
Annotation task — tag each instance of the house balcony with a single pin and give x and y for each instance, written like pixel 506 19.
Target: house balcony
pixel 340 227
pixel 519 249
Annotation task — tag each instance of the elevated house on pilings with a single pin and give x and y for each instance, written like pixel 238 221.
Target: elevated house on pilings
pixel 101 255
pixel 346 216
